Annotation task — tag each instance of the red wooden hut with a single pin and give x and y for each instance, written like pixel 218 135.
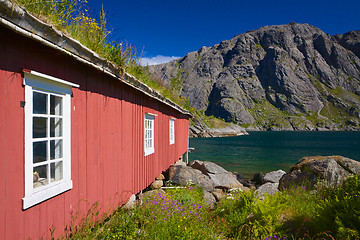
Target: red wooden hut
pixel 72 131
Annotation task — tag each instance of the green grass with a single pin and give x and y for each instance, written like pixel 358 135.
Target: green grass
pixel 180 213
pixel 74 19
pixel 268 115
pixel 209 121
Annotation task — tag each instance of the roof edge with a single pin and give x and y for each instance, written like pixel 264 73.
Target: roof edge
pixel 22 22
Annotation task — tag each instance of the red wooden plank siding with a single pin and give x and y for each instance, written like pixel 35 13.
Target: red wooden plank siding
pixel 126 165
pixel 14 133
pixel 3 125
pixel 3 153
pixel 107 140
pixel 79 147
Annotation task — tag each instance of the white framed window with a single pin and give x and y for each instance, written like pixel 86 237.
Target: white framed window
pixel 47 137
pixel 172 130
pixel 149 134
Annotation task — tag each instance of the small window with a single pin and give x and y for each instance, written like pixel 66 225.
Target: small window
pixel 47 137
pixel 172 130
pixel 149 134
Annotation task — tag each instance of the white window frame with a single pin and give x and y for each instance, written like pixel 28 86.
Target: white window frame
pixel 172 130
pixel 38 82
pixel 149 134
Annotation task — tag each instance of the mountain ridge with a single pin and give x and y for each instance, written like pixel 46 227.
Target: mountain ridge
pixel 281 77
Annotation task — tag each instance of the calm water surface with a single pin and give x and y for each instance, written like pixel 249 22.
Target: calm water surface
pixel 268 151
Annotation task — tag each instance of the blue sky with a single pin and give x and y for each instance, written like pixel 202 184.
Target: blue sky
pixel 167 29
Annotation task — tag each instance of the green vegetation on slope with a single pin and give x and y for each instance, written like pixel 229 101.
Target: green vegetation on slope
pixel 180 213
pixel 268 116
pixel 73 18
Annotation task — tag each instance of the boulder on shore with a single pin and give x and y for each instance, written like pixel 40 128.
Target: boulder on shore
pixel 220 177
pixel 332 170
pixel 209 200
pixel 185 175
pixel 259 178
pixel 274 176
pixel 156 184
pixel 268 188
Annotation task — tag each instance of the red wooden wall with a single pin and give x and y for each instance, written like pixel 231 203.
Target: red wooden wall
pixel 107 134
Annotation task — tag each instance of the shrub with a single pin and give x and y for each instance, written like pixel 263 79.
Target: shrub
pixel 283 214
pixel 339 210
pixel 73 18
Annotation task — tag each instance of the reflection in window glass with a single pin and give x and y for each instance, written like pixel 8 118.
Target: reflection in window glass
pixel 39 103
pixel 39 151
pixel 55 127
pixel 56 149
pixel 56 171
pixel 55 105
pixel 40 176
pixel 39 127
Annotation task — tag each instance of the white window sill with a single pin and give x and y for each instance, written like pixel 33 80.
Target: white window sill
pixel 47 193
pixel 149 151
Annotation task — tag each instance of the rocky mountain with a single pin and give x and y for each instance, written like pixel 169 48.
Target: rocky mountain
pixel 285 77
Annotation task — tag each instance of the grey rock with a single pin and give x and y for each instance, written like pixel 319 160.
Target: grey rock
pixel 151 194
pixel 330 170
pixel 199 129
pixel 284 77
pixel 185 175
pixel 131 203
pixel 160 177
pixel 246 182
pixel 274 176
pixel 209 200
pixel 220 177
pixel 218 194
pixel 267 188
pixel 156 184
pixel 350 41
pixel 180 163
pixel 259 178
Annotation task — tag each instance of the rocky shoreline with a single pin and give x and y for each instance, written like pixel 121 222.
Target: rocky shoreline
pixel 201 130
pixel 231 130
pixel 217 183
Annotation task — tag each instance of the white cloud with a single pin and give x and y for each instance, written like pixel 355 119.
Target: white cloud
pixel 157 60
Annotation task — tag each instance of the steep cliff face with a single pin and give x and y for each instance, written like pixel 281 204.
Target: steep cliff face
pixel 286 77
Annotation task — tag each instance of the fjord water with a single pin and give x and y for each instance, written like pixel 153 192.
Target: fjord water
pixel 268 151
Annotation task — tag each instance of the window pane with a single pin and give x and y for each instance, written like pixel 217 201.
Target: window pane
pixel 55 105
pixel 39 103
pixel 39 151
pixel 56 171
pixel 39 127
pixel 40 176
pixel 55 127
pixel 56 149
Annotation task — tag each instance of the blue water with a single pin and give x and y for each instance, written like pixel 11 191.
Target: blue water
pixel 268 151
